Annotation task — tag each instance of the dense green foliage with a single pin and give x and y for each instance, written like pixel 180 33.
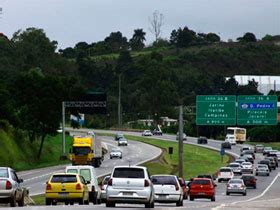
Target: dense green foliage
pixel 35 78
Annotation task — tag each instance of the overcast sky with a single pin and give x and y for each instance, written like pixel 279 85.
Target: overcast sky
pixel 72 21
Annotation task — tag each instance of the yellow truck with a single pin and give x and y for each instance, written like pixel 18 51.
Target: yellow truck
pixel 87 150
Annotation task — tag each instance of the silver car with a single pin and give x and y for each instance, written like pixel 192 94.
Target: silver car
pixel 103 187
pixel 122 142
pixel 167 189
pixel 236 186
pixel 262 169
pixel 10 189
pixel 130 184
pixel 236 168
pixel 115 153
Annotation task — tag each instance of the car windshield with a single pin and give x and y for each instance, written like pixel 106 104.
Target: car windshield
pixel 268 148
pixel 201 182
pixel 246 164
pixel 81 150
pixel 247 177
pixel 116 150
pixel 129 173
pixel 64 179
pixel 163 180
pixel 262 166
pixel 4 173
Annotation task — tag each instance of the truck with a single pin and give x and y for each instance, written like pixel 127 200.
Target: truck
pixel 87 150
pixel 239 134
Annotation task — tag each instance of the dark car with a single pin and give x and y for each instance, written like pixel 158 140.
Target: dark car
pixel 202 140
pixel 274 155
pixel 226 145
pixel 249 180
pixel 266 162
pixel 272 161
pixel 250 152
pixel 157 132
pixel 259 148
pixel 184 187
pixel 118 136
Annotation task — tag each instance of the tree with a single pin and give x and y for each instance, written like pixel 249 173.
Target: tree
pixel 117 42
pixel 137 41
pixel 39 98
pixel 248 37
pixel 34 49
pixel 184 37
pixel 267 37
pixel 156 23
pixel 212 37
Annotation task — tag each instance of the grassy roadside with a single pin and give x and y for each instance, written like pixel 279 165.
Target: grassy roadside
pixel 22 154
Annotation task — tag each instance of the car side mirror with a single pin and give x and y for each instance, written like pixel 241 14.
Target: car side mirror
pixel 87 182
pixel 215 185
pixel 20 181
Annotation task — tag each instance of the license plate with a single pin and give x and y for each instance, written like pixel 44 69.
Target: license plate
pixel 127 193
pixel 162 196
pixel 63 193
pixel 201 193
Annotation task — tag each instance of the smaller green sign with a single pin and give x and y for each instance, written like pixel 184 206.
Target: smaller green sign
pixel 257 110
pixel 216 110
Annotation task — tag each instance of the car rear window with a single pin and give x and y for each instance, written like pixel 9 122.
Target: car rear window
pixel 235 181
pixel 165 180
pixel 225 170
pixel 247 177
pixel 4 173
pixel 234 165
pixel 64 179
pixel 72 171
pixel 129 173
pixel 201 182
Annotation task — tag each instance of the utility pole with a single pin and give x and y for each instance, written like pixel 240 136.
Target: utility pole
pixel 63 155
pixel 180 142
pixel 119 103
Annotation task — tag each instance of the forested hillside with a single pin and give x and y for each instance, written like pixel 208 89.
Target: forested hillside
pixel 35 76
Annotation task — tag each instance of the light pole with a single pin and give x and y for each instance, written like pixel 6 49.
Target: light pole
pixel 119 103
pixel 180 142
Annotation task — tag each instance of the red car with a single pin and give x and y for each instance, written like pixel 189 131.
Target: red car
pixel 202 188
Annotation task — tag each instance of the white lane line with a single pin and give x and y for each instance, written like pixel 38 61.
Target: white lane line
pixel 37 177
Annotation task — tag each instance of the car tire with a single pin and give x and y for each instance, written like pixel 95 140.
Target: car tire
pixel 21 201
pixel 86 202
pixel 219 180
pixel 267 175
pixel 257 174
pixel 255 187
pixel 13 202
pixel 180 203
pixel 213 198
pixel 150 205
pixel 121 157
pixel 244 194
pixel 94 198
pixel 191 198
pixel 110 204
pixel 111 158
pixel 227 193
pixel 99 201
pixel 81 201
pixel 48 202
pixel 54 203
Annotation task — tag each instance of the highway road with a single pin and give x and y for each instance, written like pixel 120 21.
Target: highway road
pixel 135 153
pixel 266 194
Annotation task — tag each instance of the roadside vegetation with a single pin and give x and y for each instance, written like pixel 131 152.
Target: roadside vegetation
pixel 21 155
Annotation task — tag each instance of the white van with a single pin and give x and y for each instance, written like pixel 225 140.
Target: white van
pixel 89 174
pixel 231 139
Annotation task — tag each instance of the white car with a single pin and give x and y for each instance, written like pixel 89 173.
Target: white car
pixel 225 174
pixel 184 136
pixel 236 186
pixel 147 133
pixel 130 184
pixel 122 142
pixel 115 153
pixel 11 190
pixel 231 139
pixel 167 189
pixel 262 169
pixel 247 167
pixel 236 168
pixel 89 174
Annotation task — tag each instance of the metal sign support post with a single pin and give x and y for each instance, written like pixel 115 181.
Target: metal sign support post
pixel 63 155
pixel 180 142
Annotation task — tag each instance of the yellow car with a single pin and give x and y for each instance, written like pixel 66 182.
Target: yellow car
pixel 68 188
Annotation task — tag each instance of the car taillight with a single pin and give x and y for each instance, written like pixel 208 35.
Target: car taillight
pixel 110 182
pixel 219 173
pixel 177 187
pixel 242 186
pixel 8 185
pixel 146 183
pixel 49 187
pixel 78 186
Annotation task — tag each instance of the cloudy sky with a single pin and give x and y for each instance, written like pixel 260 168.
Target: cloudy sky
pixel 72 21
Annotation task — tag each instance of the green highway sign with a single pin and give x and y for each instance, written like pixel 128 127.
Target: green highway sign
pixel 257 110
pixel 216 110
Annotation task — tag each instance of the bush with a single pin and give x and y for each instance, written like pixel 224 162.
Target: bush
pixel 264 133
